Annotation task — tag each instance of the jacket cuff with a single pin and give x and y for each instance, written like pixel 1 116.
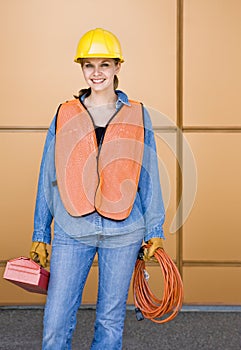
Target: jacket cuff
pixel 41 237
pixel 156 231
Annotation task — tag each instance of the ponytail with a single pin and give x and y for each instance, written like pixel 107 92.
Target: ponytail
pixel 116 82
pixel 82 92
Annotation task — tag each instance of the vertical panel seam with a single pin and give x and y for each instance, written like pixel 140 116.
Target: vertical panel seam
pixel 179 145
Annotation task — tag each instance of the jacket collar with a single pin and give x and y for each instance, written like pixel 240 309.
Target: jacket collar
pixel 122 98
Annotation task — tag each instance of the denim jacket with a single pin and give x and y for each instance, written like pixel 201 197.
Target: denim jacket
pixel 144 222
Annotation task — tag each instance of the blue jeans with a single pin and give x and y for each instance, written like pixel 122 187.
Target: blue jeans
pixel 70 264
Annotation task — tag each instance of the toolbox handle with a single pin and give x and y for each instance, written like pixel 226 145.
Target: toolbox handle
pixel 27 262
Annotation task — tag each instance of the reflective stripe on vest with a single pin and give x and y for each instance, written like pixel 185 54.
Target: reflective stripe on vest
pixel 104 179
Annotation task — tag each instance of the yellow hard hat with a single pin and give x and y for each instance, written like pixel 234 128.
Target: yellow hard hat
pixel 98 43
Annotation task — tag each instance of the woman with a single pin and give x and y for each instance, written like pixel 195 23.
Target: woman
pixel 99 181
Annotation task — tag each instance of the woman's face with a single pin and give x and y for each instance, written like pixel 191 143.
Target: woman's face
pixel 99 72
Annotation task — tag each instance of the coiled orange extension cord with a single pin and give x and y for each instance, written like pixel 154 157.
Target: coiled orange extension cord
pixel 151 307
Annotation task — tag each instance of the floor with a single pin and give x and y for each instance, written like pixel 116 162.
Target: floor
pixel 21 329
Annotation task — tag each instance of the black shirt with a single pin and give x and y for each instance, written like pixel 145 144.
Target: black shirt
pixel 100 133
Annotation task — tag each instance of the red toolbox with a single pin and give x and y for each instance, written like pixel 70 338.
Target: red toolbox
pixel 27 274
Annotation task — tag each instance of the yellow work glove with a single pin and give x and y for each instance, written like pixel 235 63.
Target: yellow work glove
pixel 38 253
pixel 156 242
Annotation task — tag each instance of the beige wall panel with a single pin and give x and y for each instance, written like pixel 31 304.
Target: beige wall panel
pixel 166 146
pixel 212 56
pixel 212 231
pixel 91 287
pixel 14 295
pixel 212 285
pixel 38 42
pixel 20 157
pixel 37 73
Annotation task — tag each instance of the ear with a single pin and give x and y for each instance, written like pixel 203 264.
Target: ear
pixel 117 67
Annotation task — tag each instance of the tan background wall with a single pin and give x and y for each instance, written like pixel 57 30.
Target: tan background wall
pixel 182 61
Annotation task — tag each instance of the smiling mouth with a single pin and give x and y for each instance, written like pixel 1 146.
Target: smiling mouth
pixel 97 81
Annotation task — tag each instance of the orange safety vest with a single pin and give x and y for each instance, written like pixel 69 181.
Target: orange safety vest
pixel 102 178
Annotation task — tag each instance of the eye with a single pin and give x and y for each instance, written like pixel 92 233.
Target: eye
pixel 88 65
pixel 105 64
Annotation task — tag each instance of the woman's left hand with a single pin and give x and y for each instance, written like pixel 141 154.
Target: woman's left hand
pixel 155 242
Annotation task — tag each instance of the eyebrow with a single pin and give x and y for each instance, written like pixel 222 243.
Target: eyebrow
pixel 103 60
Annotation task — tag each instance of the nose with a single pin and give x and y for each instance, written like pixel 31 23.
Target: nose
pixel 96 70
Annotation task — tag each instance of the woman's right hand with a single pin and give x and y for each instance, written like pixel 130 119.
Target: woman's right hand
pixel 38 253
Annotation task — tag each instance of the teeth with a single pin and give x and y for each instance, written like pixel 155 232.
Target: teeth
pixel 97 80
